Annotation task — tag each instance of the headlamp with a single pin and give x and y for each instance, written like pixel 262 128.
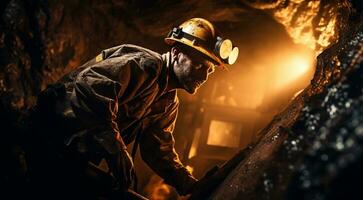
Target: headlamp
pixel 224 48
pixel 226 51
pixel 233 55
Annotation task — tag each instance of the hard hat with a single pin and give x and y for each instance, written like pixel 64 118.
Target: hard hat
pixel 200 34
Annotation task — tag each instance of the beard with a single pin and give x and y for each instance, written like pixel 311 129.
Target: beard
pixel 186 80
pixel 191 89
pixel 188 85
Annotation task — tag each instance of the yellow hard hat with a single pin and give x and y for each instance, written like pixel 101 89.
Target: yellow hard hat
pixel 200 34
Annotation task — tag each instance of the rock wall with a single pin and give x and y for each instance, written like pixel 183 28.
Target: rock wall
pixel 313 149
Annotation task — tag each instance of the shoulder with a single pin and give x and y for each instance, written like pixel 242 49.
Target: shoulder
pixel 137 67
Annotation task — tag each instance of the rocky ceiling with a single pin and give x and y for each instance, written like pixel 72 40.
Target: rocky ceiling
pixel 304 152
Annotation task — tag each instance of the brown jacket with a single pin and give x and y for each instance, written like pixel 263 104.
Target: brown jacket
pixel 119 93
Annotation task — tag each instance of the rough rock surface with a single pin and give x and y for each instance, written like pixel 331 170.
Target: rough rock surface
pixel 313 149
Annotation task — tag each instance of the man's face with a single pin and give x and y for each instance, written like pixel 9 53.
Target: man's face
pixel 192 70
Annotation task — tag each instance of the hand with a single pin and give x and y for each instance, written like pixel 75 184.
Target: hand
pixel 206 184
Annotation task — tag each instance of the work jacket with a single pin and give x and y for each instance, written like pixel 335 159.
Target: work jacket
pixel 118 97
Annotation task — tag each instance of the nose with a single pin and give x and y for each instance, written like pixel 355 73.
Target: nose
pixel 208 71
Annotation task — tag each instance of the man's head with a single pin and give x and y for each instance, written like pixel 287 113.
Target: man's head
pixel 196 49
pixel 191 68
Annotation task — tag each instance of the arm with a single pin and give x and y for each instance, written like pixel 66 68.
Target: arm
pixel 98 91
pixel 157 150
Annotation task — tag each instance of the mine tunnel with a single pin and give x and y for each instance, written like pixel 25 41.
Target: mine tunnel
pixel 284 122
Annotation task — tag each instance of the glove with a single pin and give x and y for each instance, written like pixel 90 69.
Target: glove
pixel 181 180
pixel 204 185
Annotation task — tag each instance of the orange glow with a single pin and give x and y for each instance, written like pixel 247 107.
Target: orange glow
pixel 189 168
pixel 157 189
pixel 328 31
pixel 293 68
pixel 194 147
pixel 302 29
pixel 225 134
pixel 274 74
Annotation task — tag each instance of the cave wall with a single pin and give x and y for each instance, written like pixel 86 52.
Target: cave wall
pixel 312 150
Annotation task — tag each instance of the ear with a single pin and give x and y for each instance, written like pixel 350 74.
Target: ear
pixel 174 53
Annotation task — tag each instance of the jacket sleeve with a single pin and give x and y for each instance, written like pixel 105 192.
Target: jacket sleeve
pixel 98 91
pixel 157 150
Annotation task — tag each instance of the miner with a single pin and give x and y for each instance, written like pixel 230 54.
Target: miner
pixel 84 122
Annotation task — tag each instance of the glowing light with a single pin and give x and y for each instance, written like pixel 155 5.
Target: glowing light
pixel 157 189
pixel 226 134
pixel 189 168
pixel 292 69
pixel 194 147
pixel 300 65
pixel 233 56
pixel 225 49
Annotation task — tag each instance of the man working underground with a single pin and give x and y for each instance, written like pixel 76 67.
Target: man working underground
pixel 127 93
